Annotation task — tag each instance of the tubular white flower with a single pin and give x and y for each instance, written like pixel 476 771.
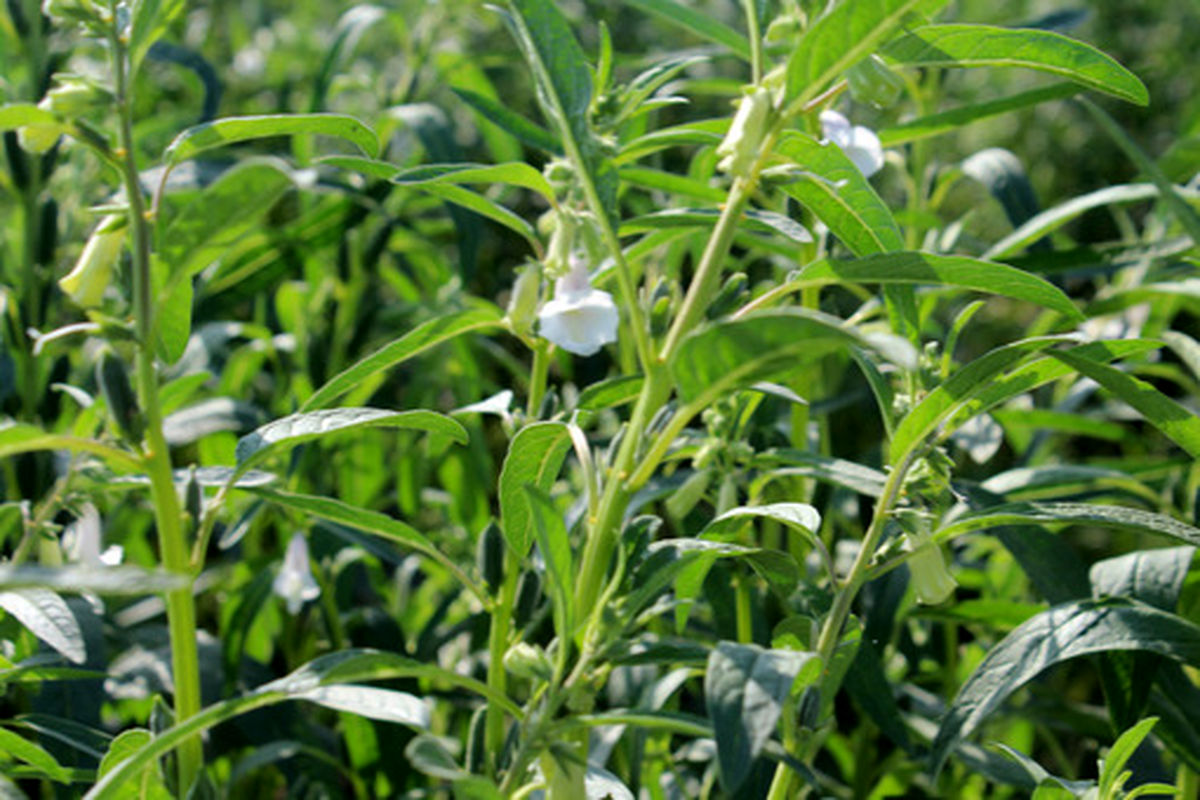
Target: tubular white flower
pixel 295 582
pixel 82 540
pixel 859 143
pixel 579 319
pixel 85 284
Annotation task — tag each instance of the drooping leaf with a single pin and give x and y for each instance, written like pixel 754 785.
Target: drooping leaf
pixel 936 270
pixel 1045 51
pixel 745 688
pixel 49 618
pixel 416 341
pixel 1119 517
pixel 1153 576
pixel 799 517
pixel 297 428
pixel 385 705
pixel 534 458
pixel 19 438
pixel 19 748
pixel 221 132
pixel 504 117
pixel 551 534
pixel 516 173
pixel 1060 633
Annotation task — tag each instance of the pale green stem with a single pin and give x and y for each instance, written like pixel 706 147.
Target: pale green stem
pixel 497 678
pixel 181 612
pixel 537 377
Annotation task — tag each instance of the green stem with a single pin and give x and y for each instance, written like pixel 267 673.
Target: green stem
pixel 498 635
pixel 755 36
pixel 537 377
pixel 181 611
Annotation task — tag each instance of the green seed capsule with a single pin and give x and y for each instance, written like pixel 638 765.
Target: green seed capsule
pixel 490 556
pixel 118 394
pixel 529 591
pixel 193 498
pixel 729 297
pixel 477 742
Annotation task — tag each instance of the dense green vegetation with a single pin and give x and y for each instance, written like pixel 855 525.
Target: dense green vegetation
pixel 645 399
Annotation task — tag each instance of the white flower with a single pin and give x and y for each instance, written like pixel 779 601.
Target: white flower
pixel 94 271
pixel 81 540
pixel 295 582
pixel 579 319
pixel 860 144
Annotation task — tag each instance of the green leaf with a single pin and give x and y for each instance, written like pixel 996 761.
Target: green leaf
pixel 987 46
pixel 49 618
pixel 420 339
pixel 696 22
pixel 513 174
pixel 939 404
pixel 349 30
pixel 150 20
pixel 535 457
pixel 1061 633
pixel 955 118
pixel 501 115
pixel 372 522
pixel 224 212
pixel 610 393
pixel 126 746
pixel 563 79
pixel 1119 517
pixel 799 517
pixel 485 207
pixel 1187 216
pixel 752 220
pixel 1120 753
pixel 729 354
pixel 745 688
pixel 1052 219
pixel 1174 420
pixel 18 115
pixel 385 705
pixel 292 430
pixel 839 194
pixel 120 580
pixel 555 547
pixel 926 268
pixel 346 666
pixel 837 471
pixel 843 37
pixel 174 321
pixel 18 438
pixel 1154 577
pixel 230 130
pixel 19 748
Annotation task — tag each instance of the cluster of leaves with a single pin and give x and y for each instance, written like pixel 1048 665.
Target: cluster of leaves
pixel 697 565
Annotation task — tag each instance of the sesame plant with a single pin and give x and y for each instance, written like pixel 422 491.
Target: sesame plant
pixel 608 400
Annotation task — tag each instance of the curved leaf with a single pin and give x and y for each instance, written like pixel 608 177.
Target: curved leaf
pixel 49 618
pixel 535 457
pixel 292 430
pixel 385 705
pixel 800 517
pixel 513 174
pixel 416 341
pixel 18 115
pixel 125 579
pixel 230 130
pixel 1120 517
pixel 988 46
pixel 927 268
pixel 19 438
pixel 699 23
pixel 955 118
pixel 752 220
pixel 1063 632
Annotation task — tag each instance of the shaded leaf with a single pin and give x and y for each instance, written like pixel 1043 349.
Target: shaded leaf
pixel 48 617
pixel 230 130
pixel 534 458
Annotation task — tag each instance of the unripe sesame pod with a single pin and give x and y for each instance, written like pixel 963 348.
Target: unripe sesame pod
pixel 490 555
pixel 729 296
pixel 524 660
pixel 93 272
pixel 118 395
pixel 193 498
pixel 477 742
pixel 740 148
pixel 529 592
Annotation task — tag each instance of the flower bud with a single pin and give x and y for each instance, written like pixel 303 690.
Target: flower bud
pixel 73 96
pixel 118 395
pixel 85 284
pixel 562 243
pixel 525 660
pixel 295 582
pixel 490 555
pixel 522 305
pixel 741 145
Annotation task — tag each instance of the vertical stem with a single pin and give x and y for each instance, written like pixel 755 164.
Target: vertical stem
pixel 537 377
pixel 497 679
pixel 181 611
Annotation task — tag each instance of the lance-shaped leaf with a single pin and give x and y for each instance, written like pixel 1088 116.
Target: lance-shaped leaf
pixel 955 118
pixel 221 132
pixel 504 117
pixel 1178 423
pixel 752 220
pixel 18 748
pixel 415 342
pixel 799 517
pixel 555 547
pixel 19 438
pixel 535 457
pixel 830 186
pixel 385 705
pixel 936 270
pixel 49 618
pixel 1118 517
pixel 695 21
pixel 125 579
pixel 745 688
pixel 1046 51
pixel 512 174
pixel 1061 633
pixel 292 430
pixel 730 354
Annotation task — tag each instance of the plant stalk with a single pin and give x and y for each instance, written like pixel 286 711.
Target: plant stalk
pixel 181 611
